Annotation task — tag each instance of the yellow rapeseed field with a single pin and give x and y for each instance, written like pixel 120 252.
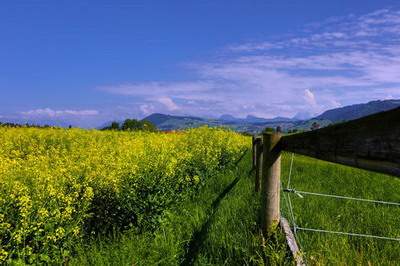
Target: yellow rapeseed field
pixel 58 186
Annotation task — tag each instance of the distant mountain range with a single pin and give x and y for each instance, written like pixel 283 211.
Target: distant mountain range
pixel 248 124
pixel 253 124
pixel 358 110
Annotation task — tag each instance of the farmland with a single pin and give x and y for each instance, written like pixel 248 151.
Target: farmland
pixel 59 187
pixel 229 233
pixel 87 197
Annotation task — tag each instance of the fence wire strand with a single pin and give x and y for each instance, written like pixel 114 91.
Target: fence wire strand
pixel 290 206
pixel 300 193
pixel 346 233
pixel 290 171
pixel 340 197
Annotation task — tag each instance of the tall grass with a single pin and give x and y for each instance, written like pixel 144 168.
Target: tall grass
pixel 344 215
pixel 234 237
pixel 218 226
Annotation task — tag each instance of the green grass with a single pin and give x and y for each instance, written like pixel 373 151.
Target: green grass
pixel 344 215
pixel 218 226
pixel 234 237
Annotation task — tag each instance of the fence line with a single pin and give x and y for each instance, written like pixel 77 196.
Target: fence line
pixel 300 193
pixel 370 143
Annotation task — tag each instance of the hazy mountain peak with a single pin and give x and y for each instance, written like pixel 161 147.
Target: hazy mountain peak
pixel 355 111
pixel 303 116
pixel 227 117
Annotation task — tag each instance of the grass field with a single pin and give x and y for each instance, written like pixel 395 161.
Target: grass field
pixel 113 198
pixel 344 215
pixel 219 225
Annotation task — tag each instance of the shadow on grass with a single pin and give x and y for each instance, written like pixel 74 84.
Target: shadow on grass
pixel 199 236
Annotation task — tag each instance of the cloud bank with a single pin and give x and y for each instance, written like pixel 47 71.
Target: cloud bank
pixel 331 63
pixel 48 112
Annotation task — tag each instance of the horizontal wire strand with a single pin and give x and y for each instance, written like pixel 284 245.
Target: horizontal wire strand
pixel 340 197
pixel 299 193
pixel 346 233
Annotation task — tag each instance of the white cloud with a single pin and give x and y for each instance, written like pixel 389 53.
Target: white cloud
pixel 149 89
pixel 146 109
pixel 309 97
pixel 255 46
pixel 59 113
pixel 341 32
pixel 344 60
pixel 169 103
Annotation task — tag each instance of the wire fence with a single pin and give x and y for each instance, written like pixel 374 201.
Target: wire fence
pixel 288 191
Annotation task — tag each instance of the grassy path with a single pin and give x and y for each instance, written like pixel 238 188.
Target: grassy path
pixel 218 226
pixel 200 236
pixel 233 237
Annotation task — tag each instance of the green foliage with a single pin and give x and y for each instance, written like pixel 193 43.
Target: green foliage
pixel 268 130
pixel 132 125
pixel 114 126
pixel 27 125
pixel 59 187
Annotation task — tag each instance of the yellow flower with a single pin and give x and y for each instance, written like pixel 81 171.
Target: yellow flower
pixel 49 177
pixel 60 232
pixel 76 230
pixel 3 255
pixel 43 213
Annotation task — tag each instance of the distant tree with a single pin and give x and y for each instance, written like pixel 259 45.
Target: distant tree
pixel 244 133
pixel 268 130
pixel 148 126
pixel 114 125
pixel 131 125
pixel 315 126
pixel 27 125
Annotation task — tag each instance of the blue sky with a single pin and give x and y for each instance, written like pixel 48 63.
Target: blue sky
pixel 89 62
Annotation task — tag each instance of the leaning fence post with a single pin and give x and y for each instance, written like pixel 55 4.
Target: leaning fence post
pixel 271 172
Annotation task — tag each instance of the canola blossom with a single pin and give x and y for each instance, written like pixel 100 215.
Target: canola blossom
pixel 59 186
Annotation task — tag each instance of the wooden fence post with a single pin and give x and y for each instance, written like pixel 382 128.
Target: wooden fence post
pixel 253 149
pixel 258 161
pixel 271 173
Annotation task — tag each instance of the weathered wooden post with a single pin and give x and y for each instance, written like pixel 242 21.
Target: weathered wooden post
pixel 271 173
pixel 253 150
pixel 258 161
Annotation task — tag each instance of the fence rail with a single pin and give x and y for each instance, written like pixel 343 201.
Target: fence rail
pixel 371 143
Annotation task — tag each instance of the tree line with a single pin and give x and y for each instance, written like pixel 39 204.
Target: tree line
pixel 132 125
pixel 15 125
